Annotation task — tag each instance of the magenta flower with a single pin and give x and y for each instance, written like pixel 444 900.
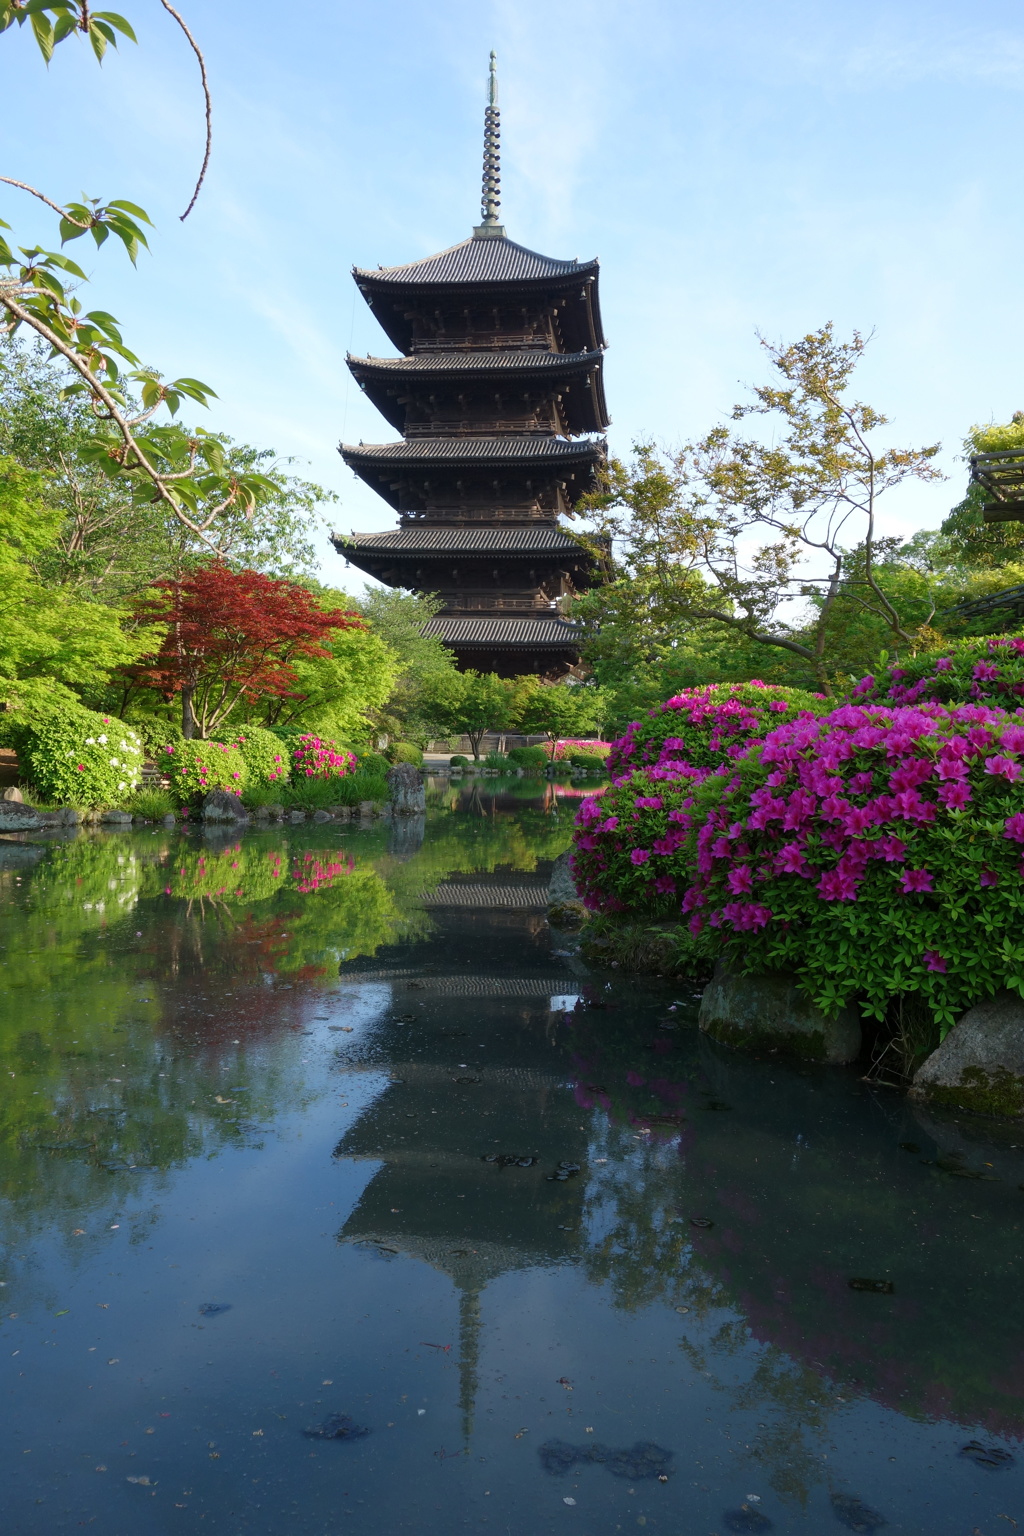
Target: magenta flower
pixel 740 881
pixel 1013 827
pixel 954 796
pixel 1003 768
pixel 639 855
pixel 916 880
pixel 934 961
pixel 988 878
pixel 985 672
pixel 791 859
pixel 944 664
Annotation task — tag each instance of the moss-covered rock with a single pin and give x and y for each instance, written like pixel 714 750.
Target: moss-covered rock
pixel 979 1066
pixel 767 1012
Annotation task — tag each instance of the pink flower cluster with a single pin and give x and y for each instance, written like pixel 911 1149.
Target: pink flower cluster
pixel 320 759
pixel 861 789
pixel 990 668
pixel 574 748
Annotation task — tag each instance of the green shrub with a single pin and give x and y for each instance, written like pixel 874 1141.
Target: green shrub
pixel 77 757
pixel 458 761
pixel 588 760
pixel 196 767
pixel 265 756
pixel 406 752
pixel 528 757
pixel 263 794
pixel 361 786
pixel 500 761
pixel 153 804
pixel 373 763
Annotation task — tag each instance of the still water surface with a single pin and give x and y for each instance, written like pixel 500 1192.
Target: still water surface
pixel 288 1129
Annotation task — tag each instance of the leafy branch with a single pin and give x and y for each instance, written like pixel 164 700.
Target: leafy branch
pixel 184 471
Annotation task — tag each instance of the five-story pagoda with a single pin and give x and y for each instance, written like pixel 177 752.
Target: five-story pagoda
pixel 498 395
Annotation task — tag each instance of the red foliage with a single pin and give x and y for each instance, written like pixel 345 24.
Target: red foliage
pixel 232 634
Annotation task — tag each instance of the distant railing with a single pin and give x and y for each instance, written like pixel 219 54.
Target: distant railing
pixel 486 342
pixel 503 427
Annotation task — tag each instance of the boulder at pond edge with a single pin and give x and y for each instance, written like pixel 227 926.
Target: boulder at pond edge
pixel 980 1064
pixel 222 805
pixel 405 790
pixel 767 1012
pixel 16 817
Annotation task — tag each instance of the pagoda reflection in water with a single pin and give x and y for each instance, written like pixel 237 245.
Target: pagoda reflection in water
pixel 435 1198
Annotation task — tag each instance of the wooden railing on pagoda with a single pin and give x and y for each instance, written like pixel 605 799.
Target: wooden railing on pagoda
pixel 1001 476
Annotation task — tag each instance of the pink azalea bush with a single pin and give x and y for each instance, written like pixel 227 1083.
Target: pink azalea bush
pixel 627 839
pixel 197 767
pixel 265 756
pixel 701 726
pixel 872 853
pixel 564 750
pixel 990 670
pixel 316 758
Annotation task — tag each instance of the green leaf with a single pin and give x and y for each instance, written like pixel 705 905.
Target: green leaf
pixel 99 42
pixel 133 208
pixel 43 30
pixel 116 21
pixel 63 27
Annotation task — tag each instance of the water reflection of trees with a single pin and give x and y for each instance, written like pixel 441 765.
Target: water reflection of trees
pixel 803 1179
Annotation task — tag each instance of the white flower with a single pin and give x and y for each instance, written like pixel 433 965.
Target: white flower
pixel 114 763
pixel 122 785
pixel 90 741
pixel 124 746
pixel 102 740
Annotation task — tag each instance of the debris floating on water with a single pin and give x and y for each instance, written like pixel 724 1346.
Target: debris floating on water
pixel 992 1457
pixel 644 1460
pixel 879 1287
pixel 337 1426
pixel 852 1512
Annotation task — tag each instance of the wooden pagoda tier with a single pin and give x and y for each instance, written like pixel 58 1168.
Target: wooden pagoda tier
pixel 499 399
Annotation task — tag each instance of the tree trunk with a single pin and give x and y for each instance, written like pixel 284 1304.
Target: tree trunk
pixel 188 719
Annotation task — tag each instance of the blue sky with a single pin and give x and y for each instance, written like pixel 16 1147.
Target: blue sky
pixel 740 167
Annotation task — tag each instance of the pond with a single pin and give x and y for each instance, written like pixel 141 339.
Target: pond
pixel 339 1195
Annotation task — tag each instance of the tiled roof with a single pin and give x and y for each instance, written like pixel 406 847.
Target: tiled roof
pixel 498 361
pixel 433 450
pixel 482 541
pixel 478 261
pixel 526 632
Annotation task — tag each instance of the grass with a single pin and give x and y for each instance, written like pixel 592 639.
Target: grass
pixel 319 794
pixel 153 804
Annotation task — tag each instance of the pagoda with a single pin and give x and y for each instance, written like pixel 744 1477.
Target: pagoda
pixel 499 398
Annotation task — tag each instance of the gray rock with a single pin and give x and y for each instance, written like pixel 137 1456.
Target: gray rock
pixel 277 811
pixel 168 821
pixel 980 1064
pixel 366 808
pixel 14 793
pixel 405 836
pixel 116 818
pixel 562 886
pixel 339 812
pixel 322 816
pixel 766 1012
pixel 70 817
pixel 405 790
pixel 298 816
pixel 222 805
pixel 262 813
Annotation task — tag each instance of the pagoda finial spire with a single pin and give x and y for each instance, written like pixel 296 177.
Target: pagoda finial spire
pixel 490 200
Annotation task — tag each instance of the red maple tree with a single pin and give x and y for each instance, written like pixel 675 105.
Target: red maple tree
pixel 231 635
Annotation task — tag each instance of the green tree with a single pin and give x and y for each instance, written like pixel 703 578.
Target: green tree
pixel 561 710
pixel 986 546
pixel 46 632
pixel 687 525
pixel 472 703
pixel 399 619
pixel 114 539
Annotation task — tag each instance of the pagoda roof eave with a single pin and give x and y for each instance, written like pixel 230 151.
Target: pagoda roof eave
pixel 585 407
pixel 432 451
pixel 478 262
